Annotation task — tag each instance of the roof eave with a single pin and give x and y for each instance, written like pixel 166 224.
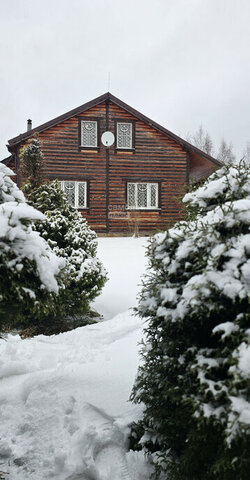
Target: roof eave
pixel 164 130
pixel 23 136
pixel 7 160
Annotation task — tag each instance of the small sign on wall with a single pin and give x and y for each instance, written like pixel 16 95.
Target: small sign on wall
pixel 118 211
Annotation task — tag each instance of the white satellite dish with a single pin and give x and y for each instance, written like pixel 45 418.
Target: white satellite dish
pixel 107 139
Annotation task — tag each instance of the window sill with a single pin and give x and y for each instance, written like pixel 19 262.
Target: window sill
pixel 125 150
pixel 89 149
pixel 130 209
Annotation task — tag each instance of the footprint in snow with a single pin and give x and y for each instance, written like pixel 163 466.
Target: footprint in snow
pixel 108 448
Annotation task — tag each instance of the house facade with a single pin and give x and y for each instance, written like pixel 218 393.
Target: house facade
pixel 117 166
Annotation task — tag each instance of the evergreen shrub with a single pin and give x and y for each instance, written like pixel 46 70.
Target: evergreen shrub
pixel 194 381
pixel 30 272
pixel 71 239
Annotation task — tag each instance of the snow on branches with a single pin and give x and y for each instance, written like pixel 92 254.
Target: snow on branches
pixel 28 268
pixel 195 378
pixel 70 237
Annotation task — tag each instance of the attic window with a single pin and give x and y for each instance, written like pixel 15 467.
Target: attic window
pixel 124 136
pixel 89 133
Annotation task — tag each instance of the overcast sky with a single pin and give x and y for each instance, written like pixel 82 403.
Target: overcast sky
pixel 180 62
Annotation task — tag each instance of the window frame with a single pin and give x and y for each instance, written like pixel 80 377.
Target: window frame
pixel 88 119
pixel 148 208
pixel 124 149
pixel 76 183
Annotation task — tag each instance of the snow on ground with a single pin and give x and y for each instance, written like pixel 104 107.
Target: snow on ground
pixel 124 258
pixel 64 410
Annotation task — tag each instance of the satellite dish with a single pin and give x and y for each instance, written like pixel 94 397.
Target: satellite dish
pixel 107 139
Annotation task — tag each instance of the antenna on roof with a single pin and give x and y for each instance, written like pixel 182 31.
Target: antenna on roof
pixel 109 82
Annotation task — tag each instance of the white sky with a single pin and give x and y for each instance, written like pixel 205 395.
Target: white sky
pixel 180 62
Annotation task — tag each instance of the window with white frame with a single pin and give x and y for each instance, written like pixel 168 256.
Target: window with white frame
pixel 142 196
pixel 124 135
pixel 89 133
pixel 76 193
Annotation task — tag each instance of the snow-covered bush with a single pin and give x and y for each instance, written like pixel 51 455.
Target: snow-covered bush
pixel 195 377
pixel 70 237
pixel 28 268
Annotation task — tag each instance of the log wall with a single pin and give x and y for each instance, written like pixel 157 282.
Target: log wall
pixel 156 158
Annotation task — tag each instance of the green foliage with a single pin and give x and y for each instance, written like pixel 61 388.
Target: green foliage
pixel 32 162
pixel 70 238
pixel 29 270
pixel 23 302
pixel 194 379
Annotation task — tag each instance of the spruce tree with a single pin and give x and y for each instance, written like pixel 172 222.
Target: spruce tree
pixel 70 237
pixel 29 270
pixel 194 380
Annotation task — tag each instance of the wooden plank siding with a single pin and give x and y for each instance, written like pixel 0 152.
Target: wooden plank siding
pixel 156 159
pixel 65 161
pixel 159 156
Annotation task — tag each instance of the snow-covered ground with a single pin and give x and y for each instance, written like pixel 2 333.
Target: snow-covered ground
pixel 64 410
pixel 124 259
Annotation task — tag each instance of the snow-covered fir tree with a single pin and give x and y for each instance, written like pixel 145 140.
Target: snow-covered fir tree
pixel 70 237
pixel 194 381
pixel 32 161
pixel 29 269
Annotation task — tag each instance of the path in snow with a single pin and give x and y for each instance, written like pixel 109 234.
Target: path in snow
pixel 64 410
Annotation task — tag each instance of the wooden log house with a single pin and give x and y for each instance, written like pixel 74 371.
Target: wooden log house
pixel 131 178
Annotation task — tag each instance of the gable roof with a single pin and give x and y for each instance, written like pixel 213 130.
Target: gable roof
pixel 103 98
